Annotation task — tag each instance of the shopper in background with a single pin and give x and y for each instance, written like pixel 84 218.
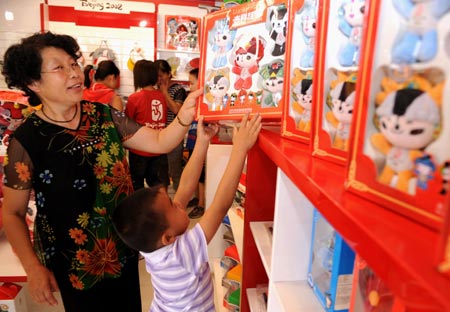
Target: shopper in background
pixel 88 70
pixel 199 209
pixel 102 89
pixel 149 221
pixel 71 152
pixel 175 94
pixel 147 106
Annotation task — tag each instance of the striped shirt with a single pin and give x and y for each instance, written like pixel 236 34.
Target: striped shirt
pixel 180 274
pixel 178 93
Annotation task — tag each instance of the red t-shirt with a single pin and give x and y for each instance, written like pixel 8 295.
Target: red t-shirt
pixel 100 93
pixel 148 108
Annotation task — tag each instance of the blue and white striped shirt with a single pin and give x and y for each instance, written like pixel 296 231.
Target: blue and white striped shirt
pixel 181 276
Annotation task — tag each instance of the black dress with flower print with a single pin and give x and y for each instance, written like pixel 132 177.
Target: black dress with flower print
pixel 78 177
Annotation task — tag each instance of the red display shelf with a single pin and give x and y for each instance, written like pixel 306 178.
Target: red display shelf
pixel 400 251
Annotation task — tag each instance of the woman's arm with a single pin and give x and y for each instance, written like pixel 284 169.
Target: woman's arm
pixel 164 141
pixel 41 282
pixel 117 103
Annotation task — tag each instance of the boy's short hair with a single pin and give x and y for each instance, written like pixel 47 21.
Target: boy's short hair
pixel 137 222
pixel 194 72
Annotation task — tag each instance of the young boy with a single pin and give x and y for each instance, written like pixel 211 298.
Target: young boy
pixel 152 223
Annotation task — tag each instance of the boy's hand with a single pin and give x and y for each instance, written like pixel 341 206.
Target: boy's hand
pixel 206 132
pixel 245 137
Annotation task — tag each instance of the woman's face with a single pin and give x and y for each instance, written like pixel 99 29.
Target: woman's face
pixel 61 80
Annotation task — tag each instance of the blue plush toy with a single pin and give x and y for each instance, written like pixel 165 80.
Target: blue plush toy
pixel 308 24
pixel 351 19
pixel 221 39
pixel 418 41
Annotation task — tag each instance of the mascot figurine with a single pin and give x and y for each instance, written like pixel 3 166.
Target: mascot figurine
pixel 272 75
pixel 418 42
pixel 278 25
pixel 302 87
pixel 221 39
pixel 249 51
pixel 351 16
pixel 217 86
pixel 309 22
pixel 341 99
pixel 409 120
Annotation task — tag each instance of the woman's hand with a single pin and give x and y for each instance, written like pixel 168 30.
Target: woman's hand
pixel 42 284
pixel 187 110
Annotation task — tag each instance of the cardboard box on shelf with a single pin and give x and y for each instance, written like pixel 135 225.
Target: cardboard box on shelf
pixel 12 298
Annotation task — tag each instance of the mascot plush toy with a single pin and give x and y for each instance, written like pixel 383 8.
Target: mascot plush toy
pixel 302 86
pixel 309 19
pixel 408 121
pixel 217 87
pixel 221 39
pixel 342 98
pixel 418 42
pixel 278 23
pixel 351 15
pixel 249 51
pixel 272 75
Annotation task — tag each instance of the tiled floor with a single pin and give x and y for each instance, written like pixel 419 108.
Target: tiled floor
pixel 146 287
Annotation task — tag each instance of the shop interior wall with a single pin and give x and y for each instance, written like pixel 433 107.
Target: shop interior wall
pixel 27 20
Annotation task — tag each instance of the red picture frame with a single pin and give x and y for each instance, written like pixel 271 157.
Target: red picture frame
pixel 386 164
pixel 234 84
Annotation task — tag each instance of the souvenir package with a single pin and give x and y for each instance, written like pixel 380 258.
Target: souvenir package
pixel 13 110
pixel 401 146
pixel 370 293
pixel 296 121
pixel 12 298
pixel 242 65
pixel 339 36
pixel 182 32
pixel 330 271
pixel 444 247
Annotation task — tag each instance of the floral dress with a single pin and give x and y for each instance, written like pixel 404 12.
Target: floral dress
pixel 78 177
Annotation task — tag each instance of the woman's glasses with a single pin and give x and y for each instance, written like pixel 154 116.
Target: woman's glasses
pixel 64 69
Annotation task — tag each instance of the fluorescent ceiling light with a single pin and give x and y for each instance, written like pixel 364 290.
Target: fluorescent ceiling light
pixel 9 16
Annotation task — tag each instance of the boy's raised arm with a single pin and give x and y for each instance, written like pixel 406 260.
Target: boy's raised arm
pixel 192 170
pixel 243 139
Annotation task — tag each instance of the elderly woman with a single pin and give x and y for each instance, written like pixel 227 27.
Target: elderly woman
pixel 71 152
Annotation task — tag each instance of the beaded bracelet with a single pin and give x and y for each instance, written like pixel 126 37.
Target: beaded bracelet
pixel 181 123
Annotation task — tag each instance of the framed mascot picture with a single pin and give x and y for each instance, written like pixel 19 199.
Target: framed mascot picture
pixel 243 61
pixel 400 152
pixel 182 32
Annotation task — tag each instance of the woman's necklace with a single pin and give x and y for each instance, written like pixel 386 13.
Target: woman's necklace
pixel 60 121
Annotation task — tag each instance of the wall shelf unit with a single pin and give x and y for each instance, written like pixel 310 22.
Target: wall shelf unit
pixel 281 172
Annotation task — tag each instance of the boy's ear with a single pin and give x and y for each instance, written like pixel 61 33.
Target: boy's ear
pixel 167 239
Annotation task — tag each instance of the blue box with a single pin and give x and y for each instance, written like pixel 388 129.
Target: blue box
pixel 331 263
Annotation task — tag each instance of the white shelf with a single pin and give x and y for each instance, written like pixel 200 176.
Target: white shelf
pixel 253 301
pixel 263 241
pixel 295 296
pixel 219 290
pixel 174 51
pixel 237 226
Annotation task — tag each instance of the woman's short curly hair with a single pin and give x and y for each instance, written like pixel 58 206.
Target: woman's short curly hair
pixel 23 61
